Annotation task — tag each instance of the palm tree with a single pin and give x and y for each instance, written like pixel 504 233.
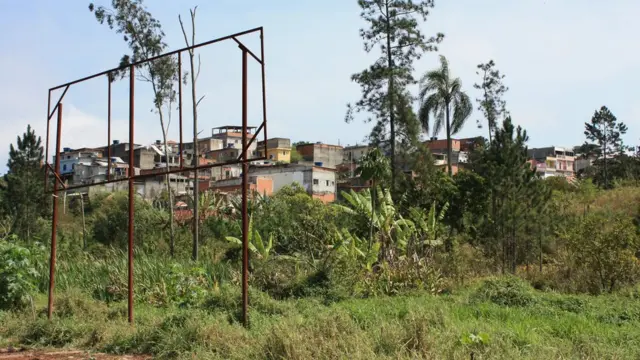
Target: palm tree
pixel 440 96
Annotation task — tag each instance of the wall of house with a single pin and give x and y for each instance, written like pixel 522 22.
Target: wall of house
pixel 226 172
pixel 441 145
pixel 234 140
pixel 119 150
pixel 354 154
pixel 325 198
pixel 320 182
pixel 282 179
pixel 260 184
pixel 69 160
pixel 153 187
pixel 279 154
pixel 281 175
pixel 329 155
pixel 67 163
pixel 143 159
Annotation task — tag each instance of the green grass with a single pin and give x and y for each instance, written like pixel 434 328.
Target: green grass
pixel 551 326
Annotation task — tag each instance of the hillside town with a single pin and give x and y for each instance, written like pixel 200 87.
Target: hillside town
pixel 323 170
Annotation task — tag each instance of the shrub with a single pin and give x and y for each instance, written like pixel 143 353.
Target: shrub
pixel 299 223
pixel 110 221
pixel 604 247
pixel 507 291
pixel 403 275
pixel 188 287
pixel 18 277
pixel 570 303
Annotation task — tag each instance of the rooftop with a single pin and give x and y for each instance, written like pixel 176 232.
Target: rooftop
pixel 320 144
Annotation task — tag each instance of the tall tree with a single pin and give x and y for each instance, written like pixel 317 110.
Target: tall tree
pixel 145 38
pixel 24 199
pixel 393 28
pixel 605 130
pixel 441 96
pixel 492 103
pixel 516 192
pixel 373 166
pixel 195 102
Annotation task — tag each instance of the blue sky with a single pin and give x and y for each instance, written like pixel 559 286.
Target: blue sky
pixel 563 59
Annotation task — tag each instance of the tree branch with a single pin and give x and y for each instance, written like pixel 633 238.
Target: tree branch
pixel 198 72
pixel 184 33
pixel 198 102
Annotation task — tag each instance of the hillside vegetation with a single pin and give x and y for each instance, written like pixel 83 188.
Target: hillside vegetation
pixel 445 305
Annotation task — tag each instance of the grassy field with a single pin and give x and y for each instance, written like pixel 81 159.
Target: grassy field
pixel 495 319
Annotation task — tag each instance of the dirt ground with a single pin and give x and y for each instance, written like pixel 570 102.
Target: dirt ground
pixel 19 354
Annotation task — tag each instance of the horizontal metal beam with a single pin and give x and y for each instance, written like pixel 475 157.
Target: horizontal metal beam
pixel 174 171
pixel 187 48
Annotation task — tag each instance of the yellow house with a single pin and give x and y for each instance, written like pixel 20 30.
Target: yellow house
pixel 278 149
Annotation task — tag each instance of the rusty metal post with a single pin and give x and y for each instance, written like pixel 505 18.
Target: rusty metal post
pixel 109 127
pixel 181 147
pixel 264 90
pixel 131 192
pixel 54 220
pixel 46 149
pixel 245 180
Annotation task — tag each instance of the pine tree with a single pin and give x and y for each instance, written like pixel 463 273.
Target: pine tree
pixel 605 130
pixel 24 199
pixel 516 193
pixel 394 30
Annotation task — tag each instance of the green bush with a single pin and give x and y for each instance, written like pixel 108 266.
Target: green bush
pixel 299 223
pixel 186 287
pixel 110 222
pixel 570 303
pixel 604 248
pixel 18 276
pixel 506 291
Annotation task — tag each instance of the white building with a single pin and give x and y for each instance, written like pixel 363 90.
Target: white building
pixel 319 182
pixel 96 172
pixel 70 158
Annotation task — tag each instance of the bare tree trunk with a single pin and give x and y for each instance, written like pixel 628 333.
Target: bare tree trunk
pixel 196 155
pixel 373 209
pixel 84 230
pixel 168 181
pixel 449 141
pixel 540 245
pixel 392 122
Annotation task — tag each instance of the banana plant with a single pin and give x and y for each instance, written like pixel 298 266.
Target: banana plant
pixel 255 202
pixel 388 225
pixel 256 245
pixel 355 249
pixel 427 226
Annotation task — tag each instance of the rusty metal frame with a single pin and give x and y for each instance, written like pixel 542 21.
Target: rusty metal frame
pixel 132 177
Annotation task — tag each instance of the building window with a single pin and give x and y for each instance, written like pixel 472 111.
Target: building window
pixel 315 181
pixel 327 182
pixel 284 153
pixel 332 183
pixel 64 167
pixel 73 166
